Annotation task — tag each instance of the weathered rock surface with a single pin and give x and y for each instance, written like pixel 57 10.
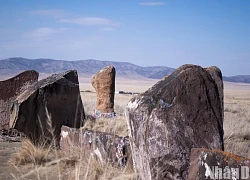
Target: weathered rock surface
pixel 180 112
pixel 216 74
pixel 11 135
pixel 48 104
pixel 107 147
pixel 104 84
pixel 216 164
pixel 9 90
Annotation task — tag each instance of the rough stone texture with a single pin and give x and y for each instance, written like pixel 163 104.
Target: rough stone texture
pixel 11 135
pixel 107 147
pixel 207 164
pixel 9 90
pixel 180 112
pixel 216 74
pixel 51 102
pixel 104 84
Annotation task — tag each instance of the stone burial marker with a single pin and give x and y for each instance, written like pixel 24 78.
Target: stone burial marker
pixel 180 112
pixel 104 83
pixel 9 90
pixel 47 105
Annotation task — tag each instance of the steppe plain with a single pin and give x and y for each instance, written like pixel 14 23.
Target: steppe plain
pixel 61 166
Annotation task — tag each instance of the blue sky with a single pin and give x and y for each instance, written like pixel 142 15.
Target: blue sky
pixel 146 33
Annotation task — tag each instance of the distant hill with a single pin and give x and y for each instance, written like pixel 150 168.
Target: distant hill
pixel 89 67
pixel 239 78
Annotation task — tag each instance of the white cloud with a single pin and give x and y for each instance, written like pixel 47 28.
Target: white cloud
pixel 107 29
pixel 91 21
pixel 44 32
pixel 152 3
pixel 66 44
pixel 57 13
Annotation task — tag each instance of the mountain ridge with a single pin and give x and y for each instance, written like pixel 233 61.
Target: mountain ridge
pixel 238 79
pixel 89 66
pixel 16 65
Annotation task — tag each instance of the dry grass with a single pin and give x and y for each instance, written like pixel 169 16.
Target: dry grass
pixel 88 102
pixel 89 99
pixel 237 119
pixel 91 168
pixel 29 153
pixel 113 126
pixel 37 162
pixel 67 166
pixel 44 163
pixel 236 129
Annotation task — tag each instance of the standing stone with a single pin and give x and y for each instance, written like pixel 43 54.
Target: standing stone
pixel 216 164
pixel 9 90
pixel 109 148
pixel 178 113
pixel 47 105
pixel 216 74
pixel 104 84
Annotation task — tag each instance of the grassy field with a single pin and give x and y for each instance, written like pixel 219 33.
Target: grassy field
pixel 237 118
pixel 236 111
pixel 29 162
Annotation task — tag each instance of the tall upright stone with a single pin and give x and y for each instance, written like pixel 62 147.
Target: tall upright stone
pixel 104 83
pixel 47 105
pixel 180 112
pixel 9 90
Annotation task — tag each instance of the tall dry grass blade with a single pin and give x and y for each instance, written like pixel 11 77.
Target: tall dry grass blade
pixel 87 171
pixel 54 139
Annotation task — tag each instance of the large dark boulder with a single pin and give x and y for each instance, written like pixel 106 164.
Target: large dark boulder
pixel 9 90
pixel 180 112
pixel 44 107
pixel 216 164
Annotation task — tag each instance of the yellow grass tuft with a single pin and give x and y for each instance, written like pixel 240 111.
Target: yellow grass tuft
pixel 30 153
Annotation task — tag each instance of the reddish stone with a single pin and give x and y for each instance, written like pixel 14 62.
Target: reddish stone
pixel 9 90
pixel 104 84
pixel 216 164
